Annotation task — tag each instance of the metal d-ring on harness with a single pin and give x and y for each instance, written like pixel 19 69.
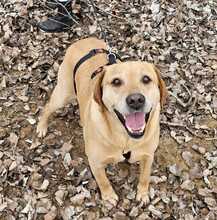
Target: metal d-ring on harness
pixel 111 56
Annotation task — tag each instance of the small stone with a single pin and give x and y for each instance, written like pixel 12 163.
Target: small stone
pixel 35 144
pixel 41 210
pixel 189 217
pixel 44 185
pixel 13 166
pixel 3 133
pixel 195 147
pixel 155 179
pixel 202 150
pixel 65 148
pixel 131 195
pixel 43 206
pixel 59 196
pixel 26 107
pixel 51 215
pixel 28 208
pixel 126 203
pixel 35 180
pixel 50 139
pixel 174 198
pixel 3 206
pixel 92 28
pixel 175 170
pixel 120 216
pixel 108 205
pixel 134 212
pixel 9 217
pixel 68 213
pixel 123 173
pixel 195 172
pixel 78 199
pixel 67 160
pixel 210 201
pixel 32 121
pixel 12 205
pixel 156 200
pixel 155 211
pixel 187 185
pixel 152 193
pixel 205 192
pixel 3 83
pixel 23 98
pixel 165 198
pixel 187 156
pixel 207 172
pixel 204 211
pixel 13 139
pixel 92 216
pixel 143 216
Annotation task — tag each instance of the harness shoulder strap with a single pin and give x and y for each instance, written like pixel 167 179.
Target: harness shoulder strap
pixel 111 58
pixel 83 59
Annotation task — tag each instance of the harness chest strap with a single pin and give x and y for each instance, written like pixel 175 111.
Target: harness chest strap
pixel 111 60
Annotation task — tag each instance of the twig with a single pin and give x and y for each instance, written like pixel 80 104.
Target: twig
pixel 184 105
pixel 177 125
pixel 105 12
pixel 172 124
pixel 192 106
pixel 188 129
pixel 65 9
pixel 186 88
pixel 211 139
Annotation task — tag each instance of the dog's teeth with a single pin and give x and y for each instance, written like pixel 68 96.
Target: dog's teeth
pixel 133 131
pixel 130 129
pixel 143 127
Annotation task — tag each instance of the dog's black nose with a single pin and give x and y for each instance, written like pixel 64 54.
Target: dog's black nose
pixel 135 101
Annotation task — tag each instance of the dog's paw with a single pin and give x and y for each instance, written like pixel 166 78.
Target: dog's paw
pixel 110 197
pixel 143 197
pixel 41 129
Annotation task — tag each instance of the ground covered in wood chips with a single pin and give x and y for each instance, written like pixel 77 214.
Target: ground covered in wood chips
pixel 50 178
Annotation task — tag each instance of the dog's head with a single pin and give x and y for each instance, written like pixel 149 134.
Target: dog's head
pixel 130 90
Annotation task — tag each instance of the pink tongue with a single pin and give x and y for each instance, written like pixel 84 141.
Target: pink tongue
pixel 135 121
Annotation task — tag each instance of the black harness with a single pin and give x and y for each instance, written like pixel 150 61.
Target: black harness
pixel 112 57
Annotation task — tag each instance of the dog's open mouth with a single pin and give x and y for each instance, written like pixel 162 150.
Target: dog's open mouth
pixel 134 123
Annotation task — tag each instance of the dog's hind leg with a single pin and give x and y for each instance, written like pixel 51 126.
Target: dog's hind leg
pixel 62 95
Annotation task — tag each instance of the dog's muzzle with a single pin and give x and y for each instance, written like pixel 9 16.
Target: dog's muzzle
pixel 134 123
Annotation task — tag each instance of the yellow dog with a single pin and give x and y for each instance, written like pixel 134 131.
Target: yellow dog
pixel 119 110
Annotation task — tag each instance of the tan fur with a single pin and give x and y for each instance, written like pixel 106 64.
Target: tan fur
pixel 105 137
pixel 162 87
pixel 98 89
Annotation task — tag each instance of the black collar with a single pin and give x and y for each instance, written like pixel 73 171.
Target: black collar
pixel 111 60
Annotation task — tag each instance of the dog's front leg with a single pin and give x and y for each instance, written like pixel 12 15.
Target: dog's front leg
pixel 144 179
pixel 106 189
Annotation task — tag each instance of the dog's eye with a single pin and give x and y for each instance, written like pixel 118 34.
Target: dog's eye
pixel 116 82
pixel 146 79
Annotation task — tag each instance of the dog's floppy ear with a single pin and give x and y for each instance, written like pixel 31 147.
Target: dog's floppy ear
pixel 98 87
pixel 162 87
